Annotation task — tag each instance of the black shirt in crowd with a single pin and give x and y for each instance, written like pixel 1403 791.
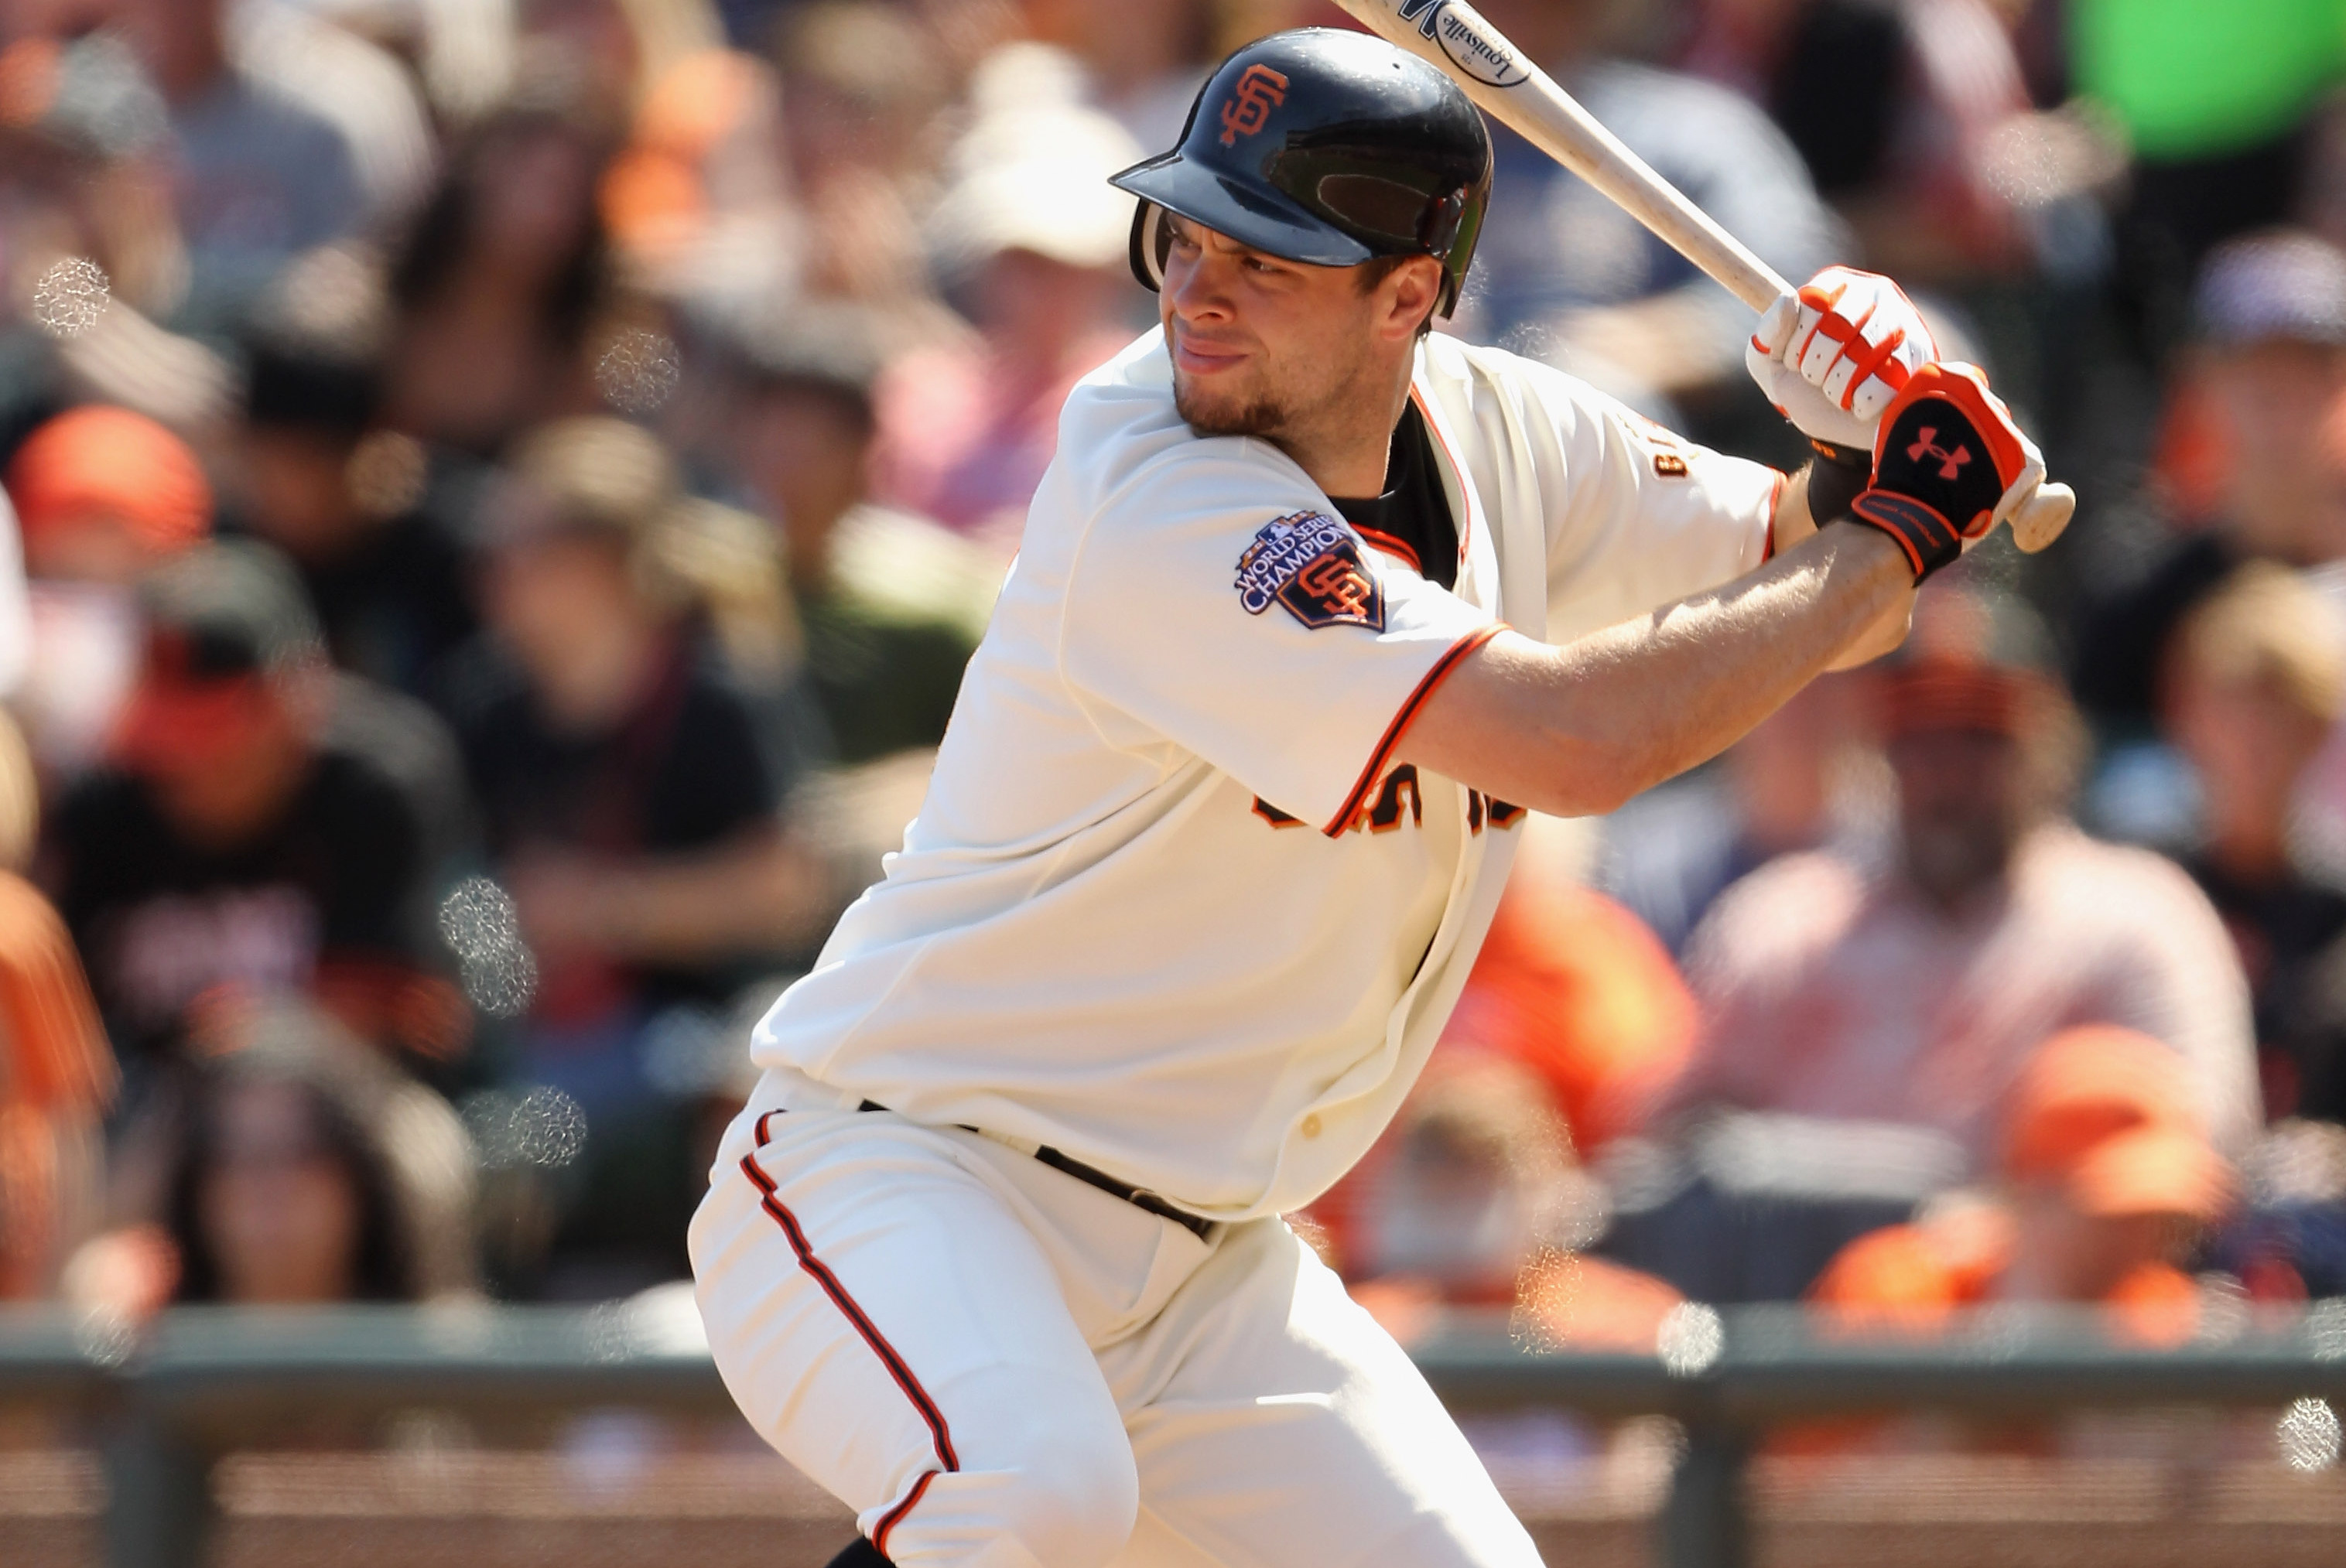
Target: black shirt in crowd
pixel 345 874
pixel 2290 931
pixel 396 604
pixel 2123 634
pixel 691 768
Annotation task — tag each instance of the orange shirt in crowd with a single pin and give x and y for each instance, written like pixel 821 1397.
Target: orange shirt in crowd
pixel 57 1078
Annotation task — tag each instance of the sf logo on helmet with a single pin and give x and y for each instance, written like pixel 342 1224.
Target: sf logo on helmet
pixel 1257 92
pixel 1950 463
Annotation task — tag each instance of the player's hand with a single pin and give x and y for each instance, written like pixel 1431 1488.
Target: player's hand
pixel 1949 464
pixel 1832 356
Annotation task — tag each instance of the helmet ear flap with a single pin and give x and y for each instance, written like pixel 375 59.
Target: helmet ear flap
pixel 1150 241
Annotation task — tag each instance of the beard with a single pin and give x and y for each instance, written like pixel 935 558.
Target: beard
pixel 1260 415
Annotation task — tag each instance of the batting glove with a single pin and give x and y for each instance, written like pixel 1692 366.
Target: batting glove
pixel 1832 356
pixel 1949 464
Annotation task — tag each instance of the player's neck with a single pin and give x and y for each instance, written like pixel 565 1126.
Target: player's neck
pixel 1343 443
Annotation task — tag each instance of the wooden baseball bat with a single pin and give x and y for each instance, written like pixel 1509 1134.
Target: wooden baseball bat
pixel 1453 37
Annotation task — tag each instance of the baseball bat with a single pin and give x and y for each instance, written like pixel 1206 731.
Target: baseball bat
pixel 1453 37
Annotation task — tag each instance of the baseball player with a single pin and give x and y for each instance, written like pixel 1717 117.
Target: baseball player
pixel 1310 608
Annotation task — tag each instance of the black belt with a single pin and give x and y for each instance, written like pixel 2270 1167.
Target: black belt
pixel 1138 1197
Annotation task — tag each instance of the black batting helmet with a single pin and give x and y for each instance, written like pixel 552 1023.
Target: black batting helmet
pixel 1323 146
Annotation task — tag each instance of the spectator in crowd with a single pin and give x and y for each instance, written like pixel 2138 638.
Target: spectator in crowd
pixel 593 44
pixel 56 1083
pixel 84 142
pixel 291 1166
pixel 2244 439
pixel 259 172
pixel 15 606
pixel 1897 110
pixel 325 56
pixel 349 503
pixel 264 828
pixel 698 202
pixel 1915 994
pixel 1803 779
pixel 890 605
pixel 2105 1181
pixel 286 1191
pixel 2215 105
pixel 1570 275
pixel 629 801
pixel 103 495
pixel 1473 1199
pixel 1143 62
pixel 863 91
pixel 632 805
pixel 2256 683
pixel 1040 240
pixel 20 799
pixel 499 283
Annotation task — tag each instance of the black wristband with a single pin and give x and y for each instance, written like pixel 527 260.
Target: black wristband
pixel 1929 540
pixel 1838 476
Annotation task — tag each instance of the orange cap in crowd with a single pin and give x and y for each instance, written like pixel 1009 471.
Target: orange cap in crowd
pixel 2087 1084
pixel 100 460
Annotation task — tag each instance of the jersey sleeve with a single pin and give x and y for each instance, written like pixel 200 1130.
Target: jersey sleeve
pixel 1636 515
pixel 1215 608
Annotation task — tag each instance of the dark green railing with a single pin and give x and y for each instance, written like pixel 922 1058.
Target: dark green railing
pixel 204 1383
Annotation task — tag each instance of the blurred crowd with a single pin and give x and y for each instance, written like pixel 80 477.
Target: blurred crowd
pixel 498 495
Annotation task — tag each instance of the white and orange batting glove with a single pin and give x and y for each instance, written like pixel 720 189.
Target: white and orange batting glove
pixel 1949 464
pixel 1831 356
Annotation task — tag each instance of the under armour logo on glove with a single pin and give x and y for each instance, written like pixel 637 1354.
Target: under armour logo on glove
pixel 1950 463
pixel 1930 493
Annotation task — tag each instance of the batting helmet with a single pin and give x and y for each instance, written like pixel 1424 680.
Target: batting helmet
pixel 1323 146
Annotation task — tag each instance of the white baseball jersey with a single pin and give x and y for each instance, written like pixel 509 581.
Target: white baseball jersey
pixel 1170 905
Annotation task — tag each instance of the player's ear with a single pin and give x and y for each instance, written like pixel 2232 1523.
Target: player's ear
pixel 1410 293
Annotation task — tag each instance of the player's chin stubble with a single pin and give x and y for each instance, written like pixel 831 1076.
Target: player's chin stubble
pixel 1211 416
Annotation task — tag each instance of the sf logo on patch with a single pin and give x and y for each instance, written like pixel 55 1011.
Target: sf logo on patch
pixel 1312 564
pixel 1257 92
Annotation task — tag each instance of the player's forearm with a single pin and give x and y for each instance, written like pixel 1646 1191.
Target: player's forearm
pixel 1577 730
pixel 1796 520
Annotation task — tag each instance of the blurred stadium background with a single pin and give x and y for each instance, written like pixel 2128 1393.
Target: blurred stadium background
pixel 495 496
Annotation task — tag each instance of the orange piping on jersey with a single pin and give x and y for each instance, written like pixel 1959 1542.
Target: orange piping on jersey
pixel 769 1199
pixel 1397 548
pixel 888 1521
pixel 1367 781
pixel 1767 523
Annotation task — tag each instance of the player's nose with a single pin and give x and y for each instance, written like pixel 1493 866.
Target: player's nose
pixel 1197 289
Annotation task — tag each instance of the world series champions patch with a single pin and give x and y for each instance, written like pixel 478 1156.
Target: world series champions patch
pixel 1310 563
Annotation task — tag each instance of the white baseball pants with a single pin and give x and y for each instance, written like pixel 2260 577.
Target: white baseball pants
pixel 999 1366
